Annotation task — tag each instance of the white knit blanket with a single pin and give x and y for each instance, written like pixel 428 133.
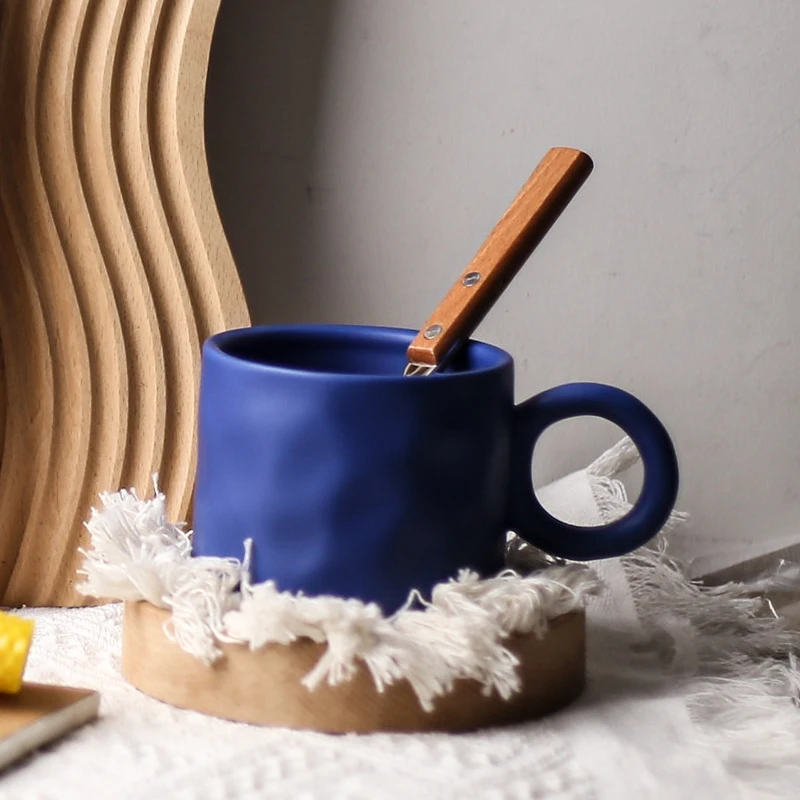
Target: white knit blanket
pixel 721 724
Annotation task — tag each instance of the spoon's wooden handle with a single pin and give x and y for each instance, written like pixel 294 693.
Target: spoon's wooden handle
pixel 529 217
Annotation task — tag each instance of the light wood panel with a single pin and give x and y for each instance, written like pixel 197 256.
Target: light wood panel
pixel 40 714
pixel 113 268
pixel 264 686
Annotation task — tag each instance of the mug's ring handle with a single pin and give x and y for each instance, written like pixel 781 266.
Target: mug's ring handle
pixel 535 525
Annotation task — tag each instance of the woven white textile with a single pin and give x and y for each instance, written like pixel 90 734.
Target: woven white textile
pixel 627 737
pixel 613 743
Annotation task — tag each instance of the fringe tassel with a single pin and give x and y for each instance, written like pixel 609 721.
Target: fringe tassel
pixel 723 649
pixel 137 554
pixel 135 549
pixel 734 663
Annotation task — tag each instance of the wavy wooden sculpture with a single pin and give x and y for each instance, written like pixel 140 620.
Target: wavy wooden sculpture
pixel 113 268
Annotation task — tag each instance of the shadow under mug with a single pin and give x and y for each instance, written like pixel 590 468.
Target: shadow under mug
pixel 353 480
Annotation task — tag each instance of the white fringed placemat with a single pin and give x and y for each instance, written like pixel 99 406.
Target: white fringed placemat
pixel 692 692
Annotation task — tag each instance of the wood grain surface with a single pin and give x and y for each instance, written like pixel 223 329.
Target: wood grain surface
pixel 263 687
pixel 39 714
pixel 113 268
pixel 525 223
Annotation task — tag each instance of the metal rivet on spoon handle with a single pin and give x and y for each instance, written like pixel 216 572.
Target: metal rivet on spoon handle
pixel 526 222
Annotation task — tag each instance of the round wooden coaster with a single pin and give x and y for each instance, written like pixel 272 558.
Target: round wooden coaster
pixel 263 687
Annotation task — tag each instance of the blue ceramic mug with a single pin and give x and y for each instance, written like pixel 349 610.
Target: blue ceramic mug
pixel 355 481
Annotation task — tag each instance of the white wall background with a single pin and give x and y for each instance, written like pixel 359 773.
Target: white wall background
pixel 362 149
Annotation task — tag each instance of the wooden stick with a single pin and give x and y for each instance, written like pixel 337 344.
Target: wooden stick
pixel 526 222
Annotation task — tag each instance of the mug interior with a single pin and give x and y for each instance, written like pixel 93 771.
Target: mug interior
pixel 344 350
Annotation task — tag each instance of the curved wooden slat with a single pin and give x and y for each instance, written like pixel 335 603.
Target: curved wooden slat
pixel 114 268
pixel 26 242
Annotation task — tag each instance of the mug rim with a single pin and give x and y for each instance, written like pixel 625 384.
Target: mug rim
pixel 216 344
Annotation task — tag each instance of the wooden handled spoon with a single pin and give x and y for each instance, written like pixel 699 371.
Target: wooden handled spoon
pixel 529 217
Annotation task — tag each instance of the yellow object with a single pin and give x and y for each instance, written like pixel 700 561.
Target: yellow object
pixel 15 642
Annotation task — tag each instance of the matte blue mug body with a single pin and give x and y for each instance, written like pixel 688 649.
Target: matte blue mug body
pixel 355 481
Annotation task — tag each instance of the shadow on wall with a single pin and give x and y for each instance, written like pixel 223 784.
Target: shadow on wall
pixel 266 66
